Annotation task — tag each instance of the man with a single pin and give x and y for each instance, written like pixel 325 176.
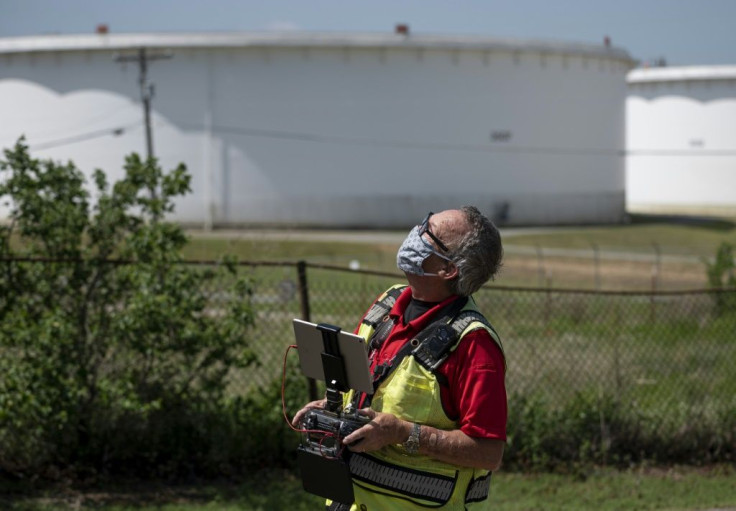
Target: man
pixel 438 413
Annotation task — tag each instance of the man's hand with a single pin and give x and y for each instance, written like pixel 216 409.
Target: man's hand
pixel 453 446
pixel 320 404
pixel 383 429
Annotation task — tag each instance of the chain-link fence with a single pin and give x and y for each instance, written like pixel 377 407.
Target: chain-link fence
pixel 641 371
pixel 668 357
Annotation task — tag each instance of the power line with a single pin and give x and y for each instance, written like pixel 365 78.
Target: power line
pixel 50 116
pixel 117 131
pixel 309 137
pixel 332 139
pixel 680 152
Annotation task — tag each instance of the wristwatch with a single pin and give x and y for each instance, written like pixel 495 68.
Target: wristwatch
pixel 411 446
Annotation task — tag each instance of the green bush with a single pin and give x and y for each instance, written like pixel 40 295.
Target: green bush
pixel 109 366
pixel 262 435
pixel 596 429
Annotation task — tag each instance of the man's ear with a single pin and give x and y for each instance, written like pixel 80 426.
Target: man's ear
pixel 450 271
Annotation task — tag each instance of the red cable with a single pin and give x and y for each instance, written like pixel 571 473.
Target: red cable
pixel 325 434
pixel 283 389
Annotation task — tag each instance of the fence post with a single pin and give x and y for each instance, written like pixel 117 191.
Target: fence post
pixel 301 273
pixel 596 265
pixel 541 268
pixel 655 279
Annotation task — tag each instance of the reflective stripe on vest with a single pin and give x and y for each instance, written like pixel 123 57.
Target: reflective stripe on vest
pixel 478 489
pixel 413 483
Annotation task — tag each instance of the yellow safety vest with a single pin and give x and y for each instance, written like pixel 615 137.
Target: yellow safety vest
pixel 391 479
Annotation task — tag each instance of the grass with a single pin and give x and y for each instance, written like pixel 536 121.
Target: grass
pixel 649 253
pixel 249 246
pixel 642 488
pixel 677 237
pixel 636 489
pixel 615 342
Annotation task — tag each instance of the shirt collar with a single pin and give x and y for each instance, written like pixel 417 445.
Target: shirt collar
pixel 417 324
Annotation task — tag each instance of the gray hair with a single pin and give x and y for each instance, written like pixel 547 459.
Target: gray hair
pixel 477 255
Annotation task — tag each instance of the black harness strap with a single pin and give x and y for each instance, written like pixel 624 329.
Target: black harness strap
pixel 439 326
pixel 382 307
pixel 378 317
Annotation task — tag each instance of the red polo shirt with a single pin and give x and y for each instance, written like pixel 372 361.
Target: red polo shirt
pixel 475 396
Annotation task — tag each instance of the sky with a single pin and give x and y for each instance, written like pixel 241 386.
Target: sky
pixel 682 32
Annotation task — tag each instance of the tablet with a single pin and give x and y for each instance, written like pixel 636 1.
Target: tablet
pixel 353 350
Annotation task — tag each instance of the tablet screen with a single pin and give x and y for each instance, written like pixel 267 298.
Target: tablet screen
pixel 353 349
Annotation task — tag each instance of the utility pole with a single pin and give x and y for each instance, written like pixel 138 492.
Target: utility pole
pixel 147 89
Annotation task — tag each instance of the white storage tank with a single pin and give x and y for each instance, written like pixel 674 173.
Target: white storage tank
pixel 339 130
pixel 681 140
